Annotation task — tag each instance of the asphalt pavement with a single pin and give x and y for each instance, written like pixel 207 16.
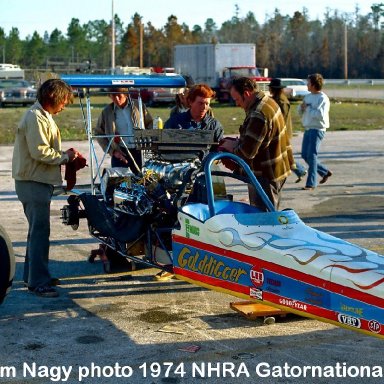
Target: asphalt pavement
pixel 123 328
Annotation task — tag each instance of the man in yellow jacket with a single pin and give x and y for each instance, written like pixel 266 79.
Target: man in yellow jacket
pixel 36 161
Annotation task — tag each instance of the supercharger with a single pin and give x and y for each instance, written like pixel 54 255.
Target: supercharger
pixel 172 174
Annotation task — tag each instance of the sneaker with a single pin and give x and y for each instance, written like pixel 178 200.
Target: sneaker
pixel 163 276
pixel 298 179
pixel 326 177
pixel 301 177
pixel 44 291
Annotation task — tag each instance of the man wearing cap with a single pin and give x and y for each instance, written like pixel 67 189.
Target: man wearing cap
pixel 276 91
pixel 181 102
pixel 119 119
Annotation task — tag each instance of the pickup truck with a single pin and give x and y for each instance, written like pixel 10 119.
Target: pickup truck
pixel 295 89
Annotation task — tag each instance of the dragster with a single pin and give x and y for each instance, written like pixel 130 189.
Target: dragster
pixel 175 215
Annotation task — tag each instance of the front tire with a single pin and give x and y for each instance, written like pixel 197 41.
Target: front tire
pixel 7 264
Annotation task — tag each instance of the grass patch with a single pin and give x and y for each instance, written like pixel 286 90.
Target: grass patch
pixel 355 115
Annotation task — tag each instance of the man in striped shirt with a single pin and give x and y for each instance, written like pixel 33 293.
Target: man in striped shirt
pixel 264 143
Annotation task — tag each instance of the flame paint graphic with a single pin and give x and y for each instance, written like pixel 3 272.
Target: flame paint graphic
pixel 350 270
pixel 330 250
pixel 313 258
pixel 367 287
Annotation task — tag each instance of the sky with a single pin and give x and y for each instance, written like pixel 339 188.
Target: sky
pixel 46 15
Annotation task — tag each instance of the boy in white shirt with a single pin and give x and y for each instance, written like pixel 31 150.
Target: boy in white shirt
pixel 315 119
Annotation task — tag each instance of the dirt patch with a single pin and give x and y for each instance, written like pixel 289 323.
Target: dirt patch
pixel 34 346
pixel 158 316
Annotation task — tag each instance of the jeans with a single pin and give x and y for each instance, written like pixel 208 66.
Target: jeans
pixel 299 170
pixel 309 151
pixel 36 200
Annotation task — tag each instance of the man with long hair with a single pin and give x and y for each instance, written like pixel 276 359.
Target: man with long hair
pixel 37 157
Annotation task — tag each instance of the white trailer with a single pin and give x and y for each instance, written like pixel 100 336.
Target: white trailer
pixel 205 63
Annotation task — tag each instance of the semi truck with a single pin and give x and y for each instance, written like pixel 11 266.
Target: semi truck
pixel 217 64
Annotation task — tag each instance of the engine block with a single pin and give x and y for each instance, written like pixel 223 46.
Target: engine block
pixel 132 199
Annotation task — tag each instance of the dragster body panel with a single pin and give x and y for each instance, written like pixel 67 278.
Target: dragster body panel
pixel 275 258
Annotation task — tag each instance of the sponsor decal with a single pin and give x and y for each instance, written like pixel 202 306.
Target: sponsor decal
pixel 354 310
pixel 293 304
pixel 256 293
pixel 374 326
pixel 209 265
pixel 123 82
pixel 272 285
pixel 297 291
pixel 349 320
pixel 256 276
pixel 191 229
pixel 274 282
pixel 314 296
pixel 283 220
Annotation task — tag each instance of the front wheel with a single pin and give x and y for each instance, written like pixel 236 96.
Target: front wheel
pixel 7 264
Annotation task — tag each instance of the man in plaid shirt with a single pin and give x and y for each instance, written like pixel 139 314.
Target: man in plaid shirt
pixel 264 143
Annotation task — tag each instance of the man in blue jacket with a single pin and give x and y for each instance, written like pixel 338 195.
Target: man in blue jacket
pixel 196 117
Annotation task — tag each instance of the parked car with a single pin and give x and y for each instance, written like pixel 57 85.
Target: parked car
pixel 16 92
pixel 155 96
pixel 295 88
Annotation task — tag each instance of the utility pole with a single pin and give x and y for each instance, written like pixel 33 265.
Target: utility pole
pixel 345 51
pixel 141 43
pixel 113 42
